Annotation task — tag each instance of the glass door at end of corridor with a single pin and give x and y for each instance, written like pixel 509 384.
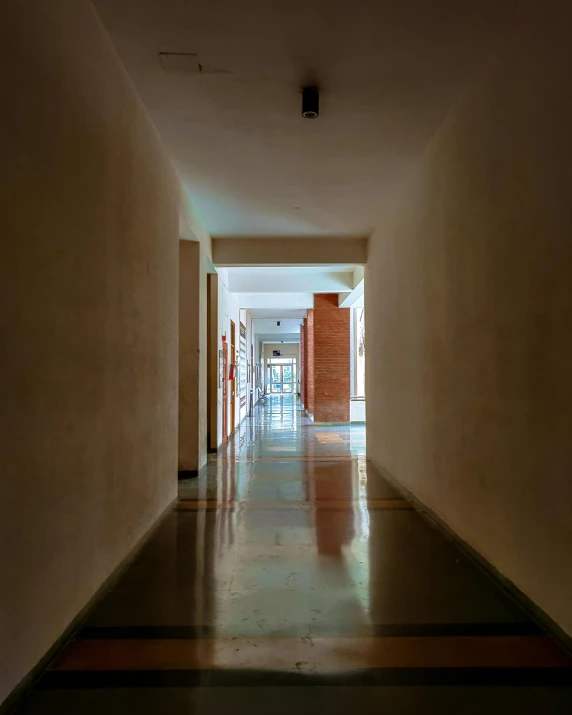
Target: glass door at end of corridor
pixel 281 376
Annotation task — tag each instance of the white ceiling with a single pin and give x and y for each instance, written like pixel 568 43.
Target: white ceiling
pixel 276 303
pixel 287 291
pixel 269 318
pixel 389 72
pixel 267 330
pixel 290 279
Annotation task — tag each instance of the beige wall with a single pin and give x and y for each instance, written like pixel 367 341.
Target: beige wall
pixel 192 441
pixel 228 309
pixel 214 346
pixel 287 251
pixel 89 226
pixel 469 316
pixel 191 229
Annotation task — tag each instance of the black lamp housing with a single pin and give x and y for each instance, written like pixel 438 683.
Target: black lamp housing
pixel 310 102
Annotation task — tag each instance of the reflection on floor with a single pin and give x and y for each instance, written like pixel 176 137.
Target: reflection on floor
pixel 292 563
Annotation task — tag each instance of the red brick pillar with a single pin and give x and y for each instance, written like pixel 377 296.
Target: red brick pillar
pixel 309 361
pixel 331 358
pixel 301 366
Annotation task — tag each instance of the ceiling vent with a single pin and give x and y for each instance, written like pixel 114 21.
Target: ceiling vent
pixel 180 62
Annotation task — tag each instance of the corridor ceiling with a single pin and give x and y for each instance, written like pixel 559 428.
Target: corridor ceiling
pixel 288 291
pixel 291 279
pixel 389 73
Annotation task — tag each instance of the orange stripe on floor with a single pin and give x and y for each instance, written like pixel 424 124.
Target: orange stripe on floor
pixel 316 654
pixel 330 438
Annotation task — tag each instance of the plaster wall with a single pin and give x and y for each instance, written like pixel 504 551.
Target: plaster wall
pixel 469 308
pixel 89 223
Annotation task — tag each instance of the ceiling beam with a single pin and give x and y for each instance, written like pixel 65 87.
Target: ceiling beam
pixel 277 302
pixel 289 251
pixel 278 337
pixel 290 282
pixel 348 300
pixel 268 326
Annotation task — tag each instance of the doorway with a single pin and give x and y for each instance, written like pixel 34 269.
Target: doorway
pixel 281 376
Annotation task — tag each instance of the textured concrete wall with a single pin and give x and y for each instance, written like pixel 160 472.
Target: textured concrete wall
pixel 89 226
pixel 469 315
pixel 331 359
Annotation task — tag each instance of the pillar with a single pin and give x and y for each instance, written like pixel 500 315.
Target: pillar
pixel 301 366
pixel 331 359
pixel 309 361
pixel 304 349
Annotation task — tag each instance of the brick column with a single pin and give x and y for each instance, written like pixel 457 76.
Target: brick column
pixel 309 361
pixel 331 358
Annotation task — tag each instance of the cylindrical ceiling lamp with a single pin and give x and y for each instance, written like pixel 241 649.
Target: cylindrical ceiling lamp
pixel 310 102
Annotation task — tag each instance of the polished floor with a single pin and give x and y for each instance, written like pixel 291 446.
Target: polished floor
pixel 291 577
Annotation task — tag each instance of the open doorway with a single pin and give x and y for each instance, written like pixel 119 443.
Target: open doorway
pixel 281 376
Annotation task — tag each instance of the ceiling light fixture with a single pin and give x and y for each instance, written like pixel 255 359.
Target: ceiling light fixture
pixel 310 102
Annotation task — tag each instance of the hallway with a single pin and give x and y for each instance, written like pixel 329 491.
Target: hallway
pixel 290 562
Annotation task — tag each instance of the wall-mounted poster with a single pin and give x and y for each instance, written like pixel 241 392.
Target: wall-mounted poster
pixel 276 353
pixel 220 368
